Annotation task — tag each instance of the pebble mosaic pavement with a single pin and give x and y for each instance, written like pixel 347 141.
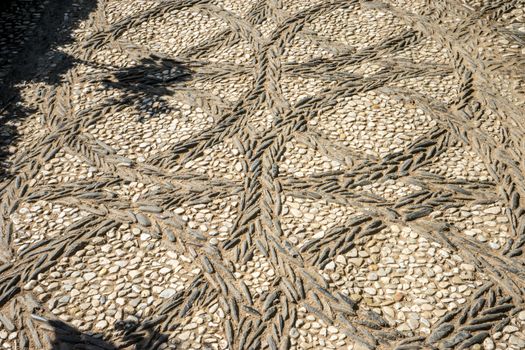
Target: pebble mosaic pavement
pixel 272 174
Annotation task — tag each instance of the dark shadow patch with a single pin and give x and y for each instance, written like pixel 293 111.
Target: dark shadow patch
pixel 68 337
pixel 128 335
pixel 30 32
pixel 40 62
pixel 147 82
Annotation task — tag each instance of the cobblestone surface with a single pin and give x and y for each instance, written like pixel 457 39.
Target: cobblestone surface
pixel 269 174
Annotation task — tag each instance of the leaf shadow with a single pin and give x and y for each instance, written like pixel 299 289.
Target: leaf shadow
pixel 127 335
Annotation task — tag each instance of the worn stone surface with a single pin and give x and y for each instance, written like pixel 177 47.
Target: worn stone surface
pixel 273 174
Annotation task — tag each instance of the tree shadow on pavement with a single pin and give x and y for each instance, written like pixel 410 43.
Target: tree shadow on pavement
pixel 129 335
pixel 148 81
pixel 30 55
pixel 41 61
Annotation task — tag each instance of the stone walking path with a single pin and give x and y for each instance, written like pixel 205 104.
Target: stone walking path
pixel 271 174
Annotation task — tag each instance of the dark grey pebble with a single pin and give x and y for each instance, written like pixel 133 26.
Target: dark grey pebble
pixel 143 220
pixel 478 338
pixel 440 333
pixel 458 338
